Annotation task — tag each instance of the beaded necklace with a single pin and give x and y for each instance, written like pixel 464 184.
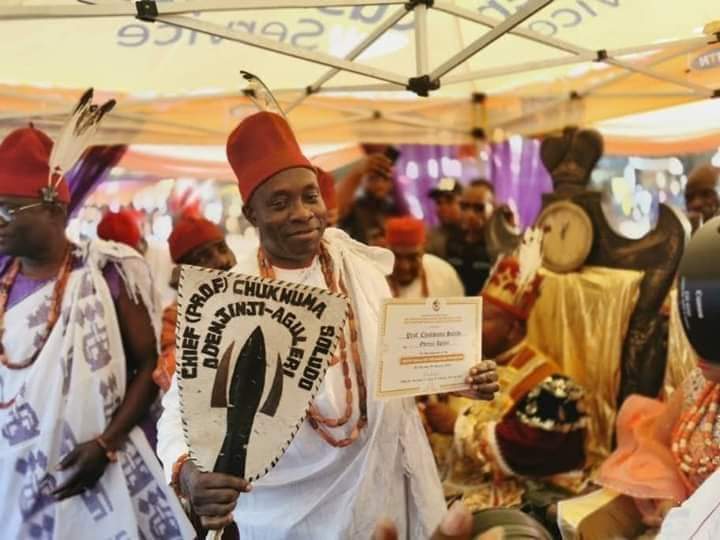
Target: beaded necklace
pixel 702 417
pixel 319 422
pixel 6 284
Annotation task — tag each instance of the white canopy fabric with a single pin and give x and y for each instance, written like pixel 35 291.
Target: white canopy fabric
pixel 501 65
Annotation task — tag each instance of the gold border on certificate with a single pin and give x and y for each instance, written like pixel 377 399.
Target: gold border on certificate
pixel 456 362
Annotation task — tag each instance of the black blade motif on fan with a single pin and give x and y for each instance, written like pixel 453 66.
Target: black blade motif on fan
pixel 246 389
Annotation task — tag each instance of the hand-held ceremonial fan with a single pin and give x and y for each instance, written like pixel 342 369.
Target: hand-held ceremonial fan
pixel 251 356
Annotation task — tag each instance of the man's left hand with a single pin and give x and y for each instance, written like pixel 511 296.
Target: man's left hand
pixel 89 461
pixel 482 379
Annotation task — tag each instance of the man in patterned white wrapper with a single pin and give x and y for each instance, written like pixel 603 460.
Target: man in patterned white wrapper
pixel 332 482
pixel 77 355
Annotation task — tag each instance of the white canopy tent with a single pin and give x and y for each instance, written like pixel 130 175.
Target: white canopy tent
pixel 352 70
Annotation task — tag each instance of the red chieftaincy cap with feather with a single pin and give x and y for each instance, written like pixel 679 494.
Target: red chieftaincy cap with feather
pixel 24 165
pixel 260 147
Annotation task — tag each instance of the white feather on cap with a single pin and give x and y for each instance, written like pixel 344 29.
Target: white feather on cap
pixel 75 137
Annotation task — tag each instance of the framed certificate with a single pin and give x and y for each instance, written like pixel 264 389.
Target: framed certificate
pixel 427 345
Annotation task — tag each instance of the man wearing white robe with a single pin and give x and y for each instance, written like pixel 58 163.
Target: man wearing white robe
pixel 317 490
pixel 78 349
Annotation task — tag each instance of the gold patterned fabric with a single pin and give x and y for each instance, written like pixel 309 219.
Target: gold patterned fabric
pixel 580 321
pixel 471 471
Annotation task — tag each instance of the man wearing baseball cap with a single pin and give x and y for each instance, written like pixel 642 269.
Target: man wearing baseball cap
pixel 336 479
pixel 446 195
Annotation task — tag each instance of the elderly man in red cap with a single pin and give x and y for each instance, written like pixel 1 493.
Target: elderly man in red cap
pixel 198 242
pixel 77 355
pixel 417 274
pixel 336 479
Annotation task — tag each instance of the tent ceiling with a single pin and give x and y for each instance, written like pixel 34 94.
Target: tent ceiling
pixel 178 78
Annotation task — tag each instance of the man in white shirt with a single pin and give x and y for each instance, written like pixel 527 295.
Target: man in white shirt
pixel 332 482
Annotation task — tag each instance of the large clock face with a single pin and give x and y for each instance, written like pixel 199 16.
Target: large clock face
pixel 568 236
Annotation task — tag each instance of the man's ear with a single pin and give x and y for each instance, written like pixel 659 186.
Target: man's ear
pixel 249 213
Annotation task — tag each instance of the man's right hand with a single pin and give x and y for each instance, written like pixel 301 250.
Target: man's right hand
pixel 378 165
pixel 213 496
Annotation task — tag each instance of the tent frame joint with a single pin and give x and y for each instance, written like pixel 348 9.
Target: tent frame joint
pixel 422 85
pixel 478 98
pixel 574 95
pixel 715 94
pixel 601 55
pixel 147 10
pixel 478 134
pixel 410 5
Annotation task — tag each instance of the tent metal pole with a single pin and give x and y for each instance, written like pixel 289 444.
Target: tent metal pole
pixel 518 68
pixel 696 88
pixel 669 55
pixel 350 88
pixel 644 95
pixel 699 41
pixel 335 123
pixel 361 47
pixel 123 9
pixel 280 48
pixel 473 16
pixel 468 15
pixel 417 122
pixel 520 16
pixel 422 57
pixel 590 91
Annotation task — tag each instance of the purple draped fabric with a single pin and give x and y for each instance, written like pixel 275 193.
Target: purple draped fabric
pixel 416 157
pixel 519 176
pixel 90 171
pixel 515 170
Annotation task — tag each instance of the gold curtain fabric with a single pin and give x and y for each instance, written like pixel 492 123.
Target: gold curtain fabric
pixel 580 321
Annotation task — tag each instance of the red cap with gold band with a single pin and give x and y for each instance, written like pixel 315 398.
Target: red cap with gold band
pixel 404 232
pixel 119 227
pixel 24 165
pixel 190 233
pixel 261 146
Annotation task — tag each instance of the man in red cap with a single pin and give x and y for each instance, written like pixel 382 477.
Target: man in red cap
pixel 198 242
pixel 121 227
pixel 417 274
pixel 446 196
pixel 78 351
pixel 332 482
